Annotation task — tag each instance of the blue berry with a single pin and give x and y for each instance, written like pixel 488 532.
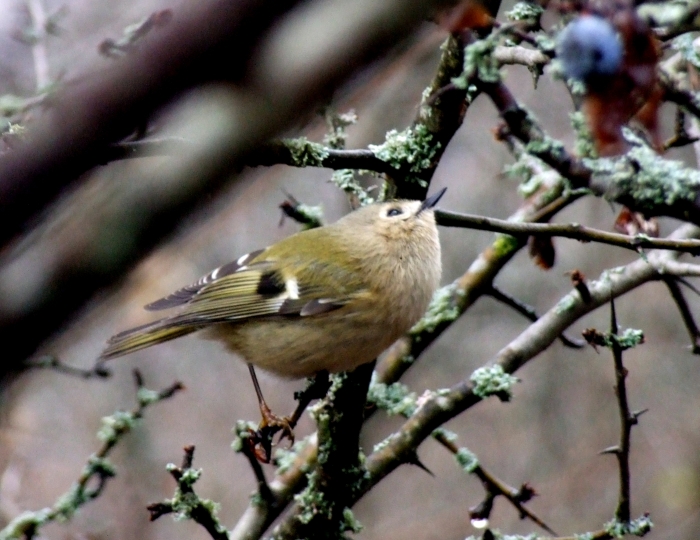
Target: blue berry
pixel 589 46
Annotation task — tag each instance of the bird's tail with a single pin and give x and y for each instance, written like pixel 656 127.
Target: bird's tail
pixel 141 337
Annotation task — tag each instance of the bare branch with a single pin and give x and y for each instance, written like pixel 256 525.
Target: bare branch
pixel 574 231
pixel 530 313
pixel 98 468
pixel 186 502
pixel 495 485
pixel 685 312
pixel 436 410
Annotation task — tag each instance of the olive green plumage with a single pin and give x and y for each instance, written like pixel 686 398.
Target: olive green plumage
pixel 329 298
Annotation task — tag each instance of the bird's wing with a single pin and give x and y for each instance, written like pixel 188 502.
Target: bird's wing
pixel 184 295
pixel 257 289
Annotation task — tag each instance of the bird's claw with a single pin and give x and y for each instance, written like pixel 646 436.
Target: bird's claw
pixel 261 439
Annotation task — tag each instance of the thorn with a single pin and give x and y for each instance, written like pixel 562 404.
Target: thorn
pixel 414 460
pixel 634 417
pixel 157 510
pixel 482 511
pixel 610 450
pixel 138 378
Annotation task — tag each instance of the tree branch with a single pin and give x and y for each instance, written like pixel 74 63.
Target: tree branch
pixel 97 470
pixel 574 231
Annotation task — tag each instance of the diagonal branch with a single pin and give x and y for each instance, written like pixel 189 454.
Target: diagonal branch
pixel 438 409
pixel 685 312
pixel 530 313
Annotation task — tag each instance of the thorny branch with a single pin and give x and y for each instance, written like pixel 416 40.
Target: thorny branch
pixel 186 502
pixel 98 468
pixel 439 407
pixel 529 312
pixel 686 314
pixel 495 487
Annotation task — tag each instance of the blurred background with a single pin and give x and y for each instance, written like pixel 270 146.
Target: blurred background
pixel 563 412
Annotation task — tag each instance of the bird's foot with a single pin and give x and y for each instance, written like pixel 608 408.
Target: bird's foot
pixel 270 425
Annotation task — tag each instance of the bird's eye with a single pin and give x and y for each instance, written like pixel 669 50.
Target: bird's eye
pixel 394 212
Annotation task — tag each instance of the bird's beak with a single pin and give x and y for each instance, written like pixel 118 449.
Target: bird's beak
pixel 431 201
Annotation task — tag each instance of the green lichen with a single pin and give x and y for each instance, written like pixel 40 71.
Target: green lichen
pixel 146 396
pixel 412 150
pixel 350 523
pixel 533 175
pixel 185 503
pixel 544 146
pixel 115 425
pixel 446 434
pixel 567 303
pixel 99 465
pixel 669 13
pixel 637 527
pixel 26 524
pixel 68 504
pixel 531 536
pixel 243 431
pixel 286 458
pixel 346 180
pixel 311 501
pixel 531 186
pixel 647 182
pixel 480 63
pixel 381 445
pixel 337 124
pixel 492 381
pixel 443 308
pixel 685 44
pixel 395 399
pixel 305 153
pixel 521 169
pixel 585 146
pixel 546 43
pixel 524 11
pixel 629 338
pixel 466 460
pixel 584 536
pixel 257 500
pixel 505 244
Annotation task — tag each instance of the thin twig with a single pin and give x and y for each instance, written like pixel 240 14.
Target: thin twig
pixel 54 363
pixel 627 420
pixel 438 409
pixel 98 469
pixel 565 230
pixel 186 502
pixel 529 313
pixel 685 312
pixel 495 485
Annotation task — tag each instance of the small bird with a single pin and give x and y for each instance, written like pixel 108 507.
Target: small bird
pixel 326 299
